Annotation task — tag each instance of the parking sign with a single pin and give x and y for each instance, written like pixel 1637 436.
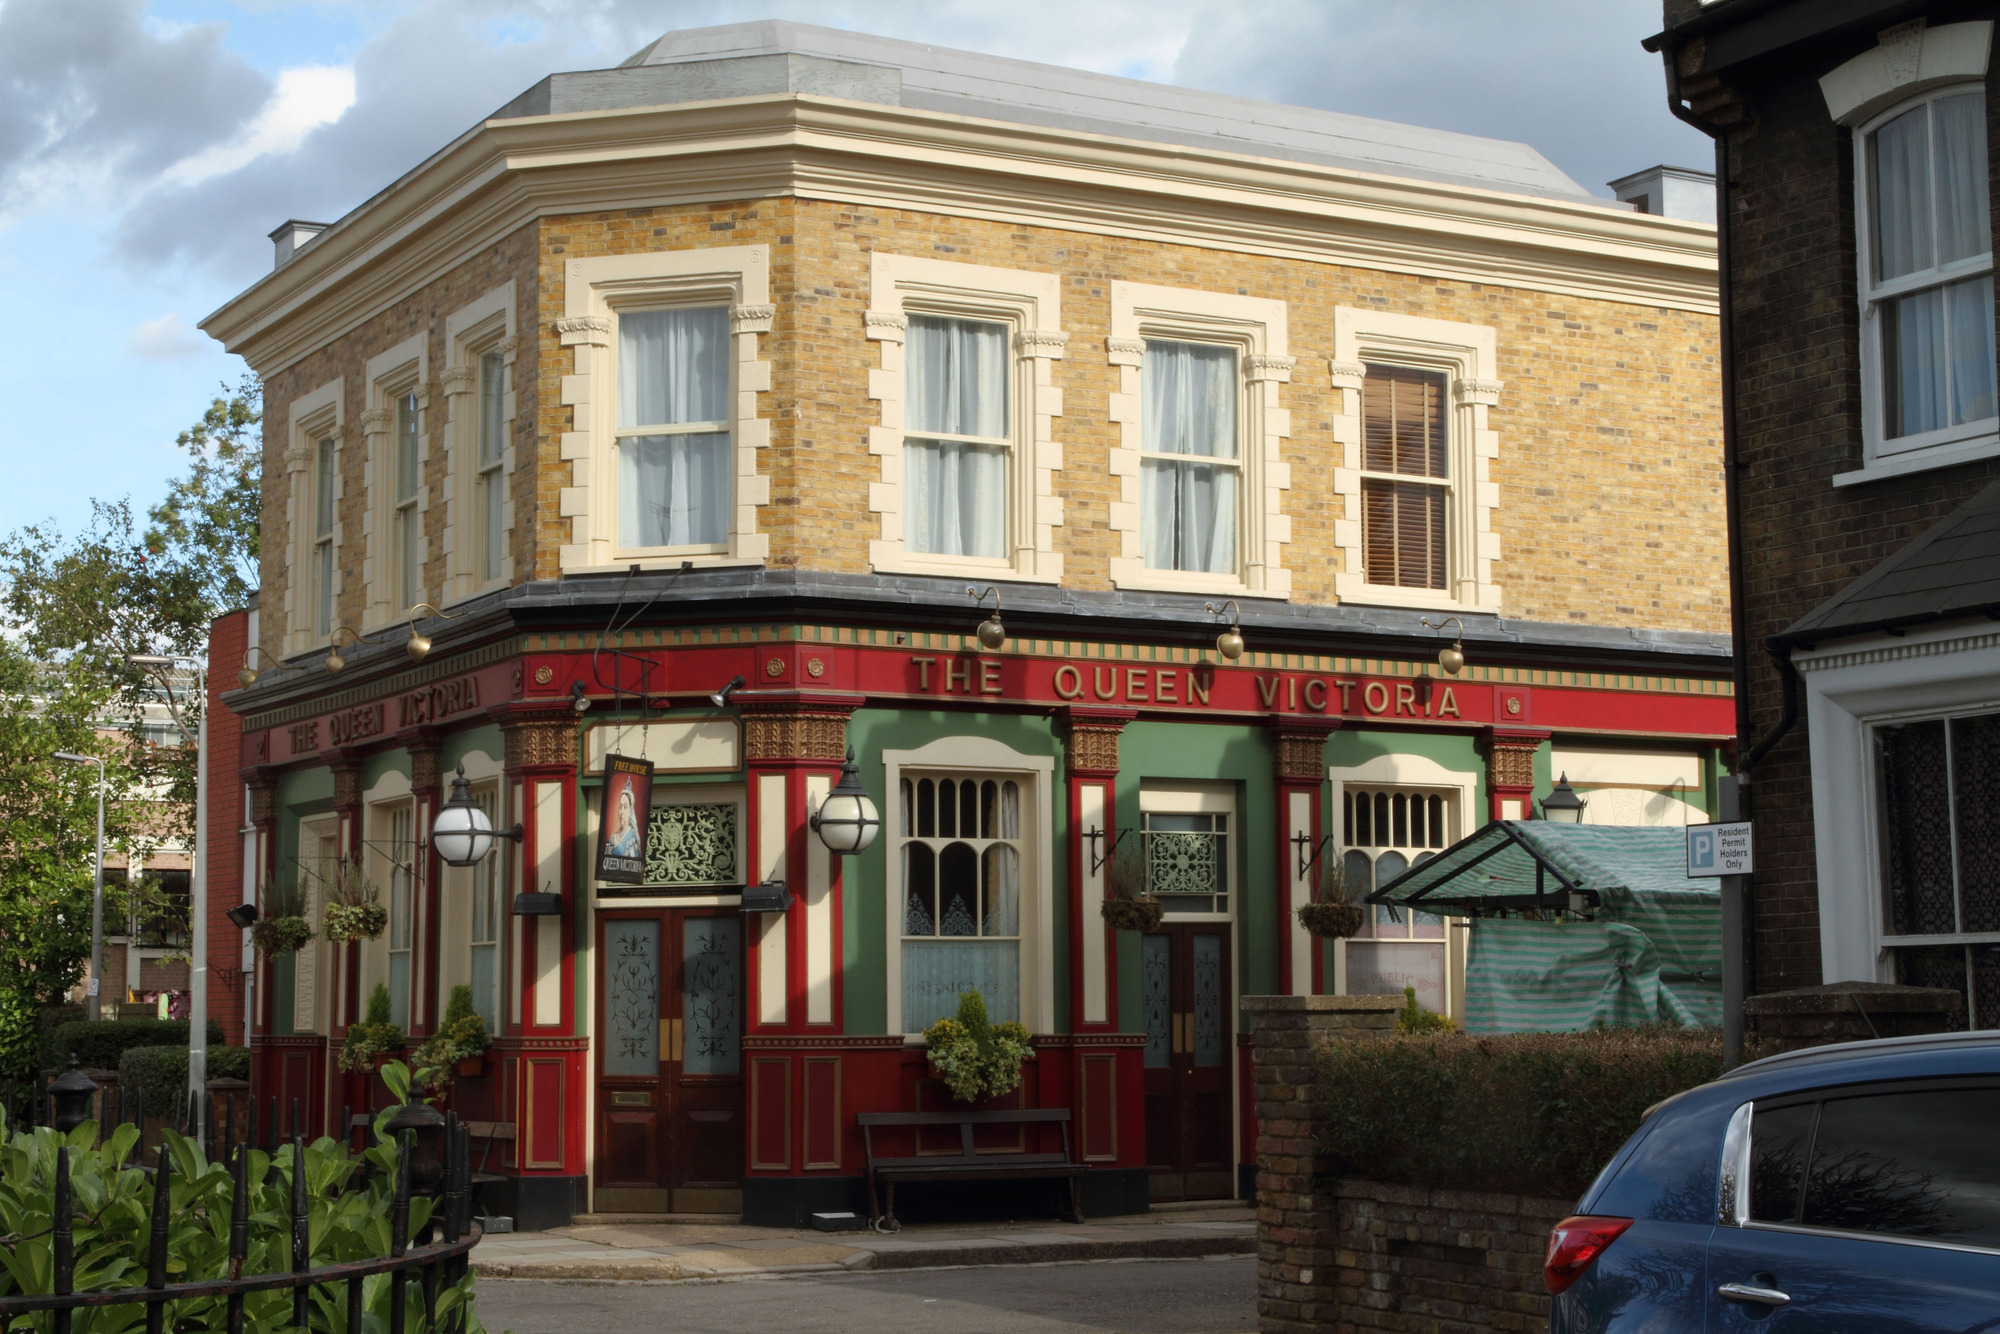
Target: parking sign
pixel 1719 849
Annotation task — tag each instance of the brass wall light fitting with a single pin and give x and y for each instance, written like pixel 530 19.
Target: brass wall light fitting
pixel 418 646
pixel 992 634
pixel 248 676
pixel 1452 657
pixel 1229 643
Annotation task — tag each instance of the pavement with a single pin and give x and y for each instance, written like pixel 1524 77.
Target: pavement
pixel 656 1248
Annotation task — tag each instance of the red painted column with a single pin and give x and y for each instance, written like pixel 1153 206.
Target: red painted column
pixel 1510 772
pixel 1298 763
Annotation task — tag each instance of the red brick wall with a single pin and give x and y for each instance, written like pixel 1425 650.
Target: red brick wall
pixel 227 637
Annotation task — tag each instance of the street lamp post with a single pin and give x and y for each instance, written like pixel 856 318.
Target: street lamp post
pixel 92 1000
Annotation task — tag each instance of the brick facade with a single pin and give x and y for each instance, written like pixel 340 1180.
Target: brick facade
pixel 1796 348
pixel 1348 1254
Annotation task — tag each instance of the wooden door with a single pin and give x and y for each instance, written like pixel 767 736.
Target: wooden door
pixel 1185 990
pixel 669 1061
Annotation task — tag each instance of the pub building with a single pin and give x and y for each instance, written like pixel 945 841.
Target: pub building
pixel 1152 491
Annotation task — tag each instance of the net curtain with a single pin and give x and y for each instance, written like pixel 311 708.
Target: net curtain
pixel 673 370
pixel 956 490
pixel 1189 508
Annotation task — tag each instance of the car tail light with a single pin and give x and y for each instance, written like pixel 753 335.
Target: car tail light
pixel 1574 1243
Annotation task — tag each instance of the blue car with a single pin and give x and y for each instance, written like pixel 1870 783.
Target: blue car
pixel 1851 1187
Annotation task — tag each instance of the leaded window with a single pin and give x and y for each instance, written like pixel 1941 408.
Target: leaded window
pixel 960 853
pixel 692 843
pixel 1938 804
pixel 1384 831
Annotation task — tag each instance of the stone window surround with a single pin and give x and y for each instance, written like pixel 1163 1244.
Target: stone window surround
pixel 1850 686
pixel 593 290
pixel 1408 772
pixel 1256 327
pixel 486 325
pixel 310 419
pixel 403 369
pixel 983 756
pixel 1467 356
pixel 1910 64
pixel 1031 304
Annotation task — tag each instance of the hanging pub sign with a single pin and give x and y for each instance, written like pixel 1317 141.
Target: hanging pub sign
pixel 621 825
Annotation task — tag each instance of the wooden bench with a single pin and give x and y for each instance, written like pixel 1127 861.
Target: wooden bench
pixel 968 1164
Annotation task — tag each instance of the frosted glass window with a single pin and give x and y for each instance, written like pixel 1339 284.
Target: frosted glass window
pixel 713 969
pixel 632 998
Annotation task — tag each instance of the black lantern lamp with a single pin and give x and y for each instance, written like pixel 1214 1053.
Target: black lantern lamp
pixel 992 634
pixel 461 833
pixel 1228 644
pixel 72 1093
pixel 427 1153
pixel 243 916
pixel 847 820
pixel 1563 805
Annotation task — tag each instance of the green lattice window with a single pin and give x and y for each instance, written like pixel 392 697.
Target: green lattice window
pixel 1187 861
pixel 693 844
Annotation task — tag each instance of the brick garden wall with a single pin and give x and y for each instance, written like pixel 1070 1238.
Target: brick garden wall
pixel 1344 1254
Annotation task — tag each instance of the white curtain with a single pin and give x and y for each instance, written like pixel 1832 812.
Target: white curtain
pixel 673 369
pixel 1903 196
pixel 1969 311
pixel 1965 227
pixel 1189 508
pixel 955 491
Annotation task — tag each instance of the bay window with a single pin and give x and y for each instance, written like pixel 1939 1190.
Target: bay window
pixel 673 428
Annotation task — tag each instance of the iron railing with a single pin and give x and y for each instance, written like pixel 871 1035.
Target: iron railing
pixel 435 1261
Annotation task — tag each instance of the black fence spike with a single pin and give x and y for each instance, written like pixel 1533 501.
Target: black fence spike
pixel 399 1232
pixel 354 1305
pixel 156 1253
pixel 301 1235
pixel 239 1234
pixel 64 1244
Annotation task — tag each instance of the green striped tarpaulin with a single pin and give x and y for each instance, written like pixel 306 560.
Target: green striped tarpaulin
pixel 1649 952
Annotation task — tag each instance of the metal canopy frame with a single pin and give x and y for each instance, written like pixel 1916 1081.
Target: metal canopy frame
pixel 1484 905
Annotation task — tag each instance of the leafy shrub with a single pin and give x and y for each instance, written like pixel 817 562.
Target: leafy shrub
pixel 21 1035
pixel 47 1021
pixel 461 1037
pixel 348 1220
pixel 1414 1018
pixel 161 1074
pixel 975 1057
pixel 1528 1113
pixel 98 1046
pixel 376 1035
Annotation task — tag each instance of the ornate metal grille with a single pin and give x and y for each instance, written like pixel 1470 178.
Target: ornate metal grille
pixel 692 845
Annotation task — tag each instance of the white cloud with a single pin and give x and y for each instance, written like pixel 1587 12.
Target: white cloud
pixel 306 97
pixel 168 338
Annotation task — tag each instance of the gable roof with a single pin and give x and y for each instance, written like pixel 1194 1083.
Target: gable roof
pixel 1951 571
pixel 967 83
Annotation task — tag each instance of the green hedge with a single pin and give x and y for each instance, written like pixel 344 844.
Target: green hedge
pixel 161 1074
pixel 48 1020
pixel 1530 1113
pixel 99 1045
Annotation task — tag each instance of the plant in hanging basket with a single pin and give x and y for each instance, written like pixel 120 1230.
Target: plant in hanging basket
pixel 375 1038
pixel 1333 913
pixel 354 908
pixel 1130 907
pixel 283 927
pixel 973 1056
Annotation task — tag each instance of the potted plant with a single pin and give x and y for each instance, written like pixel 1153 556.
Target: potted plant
pixel 354 908
pixel 973 1056
pixel 1333 913
pixel 459 1045
pixel 283 927
pixel 1130 907
pixel 376 1038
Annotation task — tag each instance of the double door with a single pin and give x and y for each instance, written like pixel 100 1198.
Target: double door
pixel 1185 991
pixel 669 1062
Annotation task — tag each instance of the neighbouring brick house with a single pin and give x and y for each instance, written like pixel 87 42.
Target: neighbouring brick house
pixel 697 392
pixel 1856 149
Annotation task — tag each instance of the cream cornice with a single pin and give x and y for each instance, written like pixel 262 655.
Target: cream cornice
pixel 502 175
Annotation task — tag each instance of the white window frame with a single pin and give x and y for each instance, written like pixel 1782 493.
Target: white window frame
pixel 986 758
pixel 312 418
pixel 379 859
pixel 1162 797
pixel 1409 773
pixel 1467 356
pixel 314 984
pixel 1029 303
pixel 594 290
pixel 1910 64
pixel 486 327
pixel 403 369
pixel 1851 687
pixel 459 886
pixel 1256 327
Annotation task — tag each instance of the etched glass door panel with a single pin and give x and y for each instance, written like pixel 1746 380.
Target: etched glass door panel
pixel 1156 998
pixel 1205 974
pixel 705 1062
pixel 632 998
pixel 631 1095
pixel 713 999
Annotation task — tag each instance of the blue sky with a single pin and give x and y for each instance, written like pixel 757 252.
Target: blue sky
pixel 148 146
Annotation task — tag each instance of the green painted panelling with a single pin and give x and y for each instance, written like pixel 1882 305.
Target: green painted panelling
pixel 455 746
pixel 867 888
pixel 383 762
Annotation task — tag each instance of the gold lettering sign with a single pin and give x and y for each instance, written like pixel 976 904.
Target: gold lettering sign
pixel 430 703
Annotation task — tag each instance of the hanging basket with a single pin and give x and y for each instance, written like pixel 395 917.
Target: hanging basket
pixel 1333 921
pixel 280 935
pixel 1133 914
pixel 354 921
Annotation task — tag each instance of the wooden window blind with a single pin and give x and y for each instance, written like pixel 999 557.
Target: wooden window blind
pixel 1403 436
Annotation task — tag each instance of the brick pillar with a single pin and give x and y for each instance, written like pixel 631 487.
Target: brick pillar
pixel 1780 1021
pixel 1296 1206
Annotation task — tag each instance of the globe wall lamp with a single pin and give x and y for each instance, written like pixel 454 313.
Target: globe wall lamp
pixel 1451 657
pixel 462 834
pixel 992 634
pixel 1563 805
pixel 847 820
pixel 1228 644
